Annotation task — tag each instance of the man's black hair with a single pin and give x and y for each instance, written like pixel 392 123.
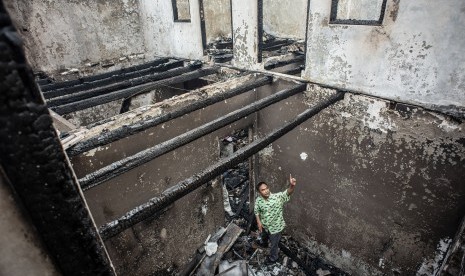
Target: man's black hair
pixel 260 184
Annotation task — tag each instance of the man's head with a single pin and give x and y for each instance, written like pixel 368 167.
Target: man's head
pixel 263 190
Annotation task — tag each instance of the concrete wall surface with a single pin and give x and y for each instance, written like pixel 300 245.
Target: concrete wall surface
pixel 245 34
pixel 285 18
pixel 217 19
pixel 63 34
pixel 20 246
pixel 415 56
pixel 164 37
pixel 379 188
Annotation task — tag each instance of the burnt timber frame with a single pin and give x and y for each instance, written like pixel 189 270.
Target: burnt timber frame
pixel 117 168
pixel 37 169
pixel 132 91
pixel 48 87
pixel 133 75
pixel 125 131
pixel 190 184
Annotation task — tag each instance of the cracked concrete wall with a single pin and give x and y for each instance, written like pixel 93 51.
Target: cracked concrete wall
pixel 380 188
pixel 415 56
pixel 217 19
pixel 153 246
pixel 285 18
pixel 64 34
pixel 164 37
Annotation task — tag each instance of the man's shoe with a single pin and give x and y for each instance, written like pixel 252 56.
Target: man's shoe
pixel 268 261
pixel 260 244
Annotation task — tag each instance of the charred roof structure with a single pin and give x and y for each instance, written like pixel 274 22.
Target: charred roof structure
pixel 134 131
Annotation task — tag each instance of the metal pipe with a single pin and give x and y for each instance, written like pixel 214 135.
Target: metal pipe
pixel 188 185
pixel 114 135
pixel 142 157
pixel 132 91
pixel 134 75
pixel 58 85
pixel 97 91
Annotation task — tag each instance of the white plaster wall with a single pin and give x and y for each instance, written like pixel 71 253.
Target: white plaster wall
pixel 63 34
pixel 416 56
pixel 217 19
pixel 164 37
pixel 285 18
pixel 245 33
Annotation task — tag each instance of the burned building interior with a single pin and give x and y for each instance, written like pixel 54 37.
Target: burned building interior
pixel 133 134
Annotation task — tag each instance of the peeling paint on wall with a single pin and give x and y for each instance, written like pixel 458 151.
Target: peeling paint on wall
pixel 245 34
pixel 285 18
pixel 61 34
pixel 409 58
pixel 430 267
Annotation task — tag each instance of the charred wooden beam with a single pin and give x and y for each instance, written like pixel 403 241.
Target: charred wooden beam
pixel 69 83
pixel 277 44
pixel 294 71
pixel 283 62
pixel 35 166
pixel 131 91
pixel 43 81
pixel 190 184
pixel 142 157
pixel 114 135
pixel 132 77
pixel 98 91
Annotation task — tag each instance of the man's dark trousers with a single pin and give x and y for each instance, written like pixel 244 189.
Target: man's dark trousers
pixel 274 240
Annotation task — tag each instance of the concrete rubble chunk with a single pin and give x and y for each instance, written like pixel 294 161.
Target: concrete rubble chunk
pixel 211 248
pixel 322 272
pixel 237 268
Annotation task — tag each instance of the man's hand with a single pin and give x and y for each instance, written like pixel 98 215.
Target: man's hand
pixel 292 183
pixel 292 180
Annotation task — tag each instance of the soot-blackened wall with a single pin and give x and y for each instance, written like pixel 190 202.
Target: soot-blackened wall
pixel 379 186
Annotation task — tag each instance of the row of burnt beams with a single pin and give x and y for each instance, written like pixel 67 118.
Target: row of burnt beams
pixel 95 90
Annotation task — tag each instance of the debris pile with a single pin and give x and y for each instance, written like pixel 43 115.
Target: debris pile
pixel 238 249
pixel 221 50
pixel 236 182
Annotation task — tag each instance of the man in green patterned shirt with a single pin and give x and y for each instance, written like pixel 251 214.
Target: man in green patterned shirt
pixel 269 214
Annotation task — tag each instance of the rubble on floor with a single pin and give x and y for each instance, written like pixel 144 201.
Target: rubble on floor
pixel 238 249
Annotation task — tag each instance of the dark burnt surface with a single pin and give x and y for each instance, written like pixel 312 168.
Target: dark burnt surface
pixel 35 164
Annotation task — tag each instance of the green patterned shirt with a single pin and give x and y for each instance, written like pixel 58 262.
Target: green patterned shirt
pixel 270 211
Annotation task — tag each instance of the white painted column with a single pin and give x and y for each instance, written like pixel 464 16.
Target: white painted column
pixel 245 33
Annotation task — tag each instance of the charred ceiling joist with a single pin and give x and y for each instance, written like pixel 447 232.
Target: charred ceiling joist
pixel 102 89
pixel 127 130
pixel 48 87
pixel 190 184
pixel 142 157
pixel 114 79
pixel 168 78
pixel 284 62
